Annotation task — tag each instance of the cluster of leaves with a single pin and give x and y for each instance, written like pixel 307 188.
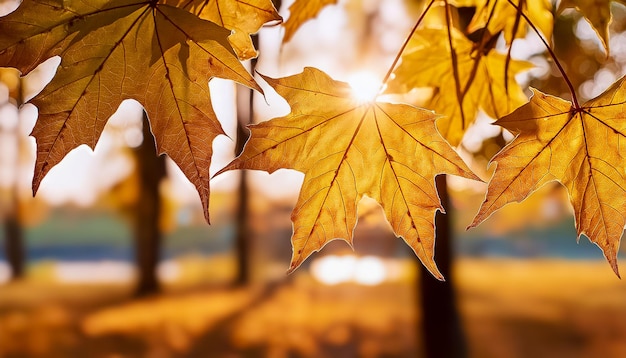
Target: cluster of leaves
pixel 162 53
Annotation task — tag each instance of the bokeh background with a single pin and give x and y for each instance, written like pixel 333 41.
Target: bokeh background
pixel 77 280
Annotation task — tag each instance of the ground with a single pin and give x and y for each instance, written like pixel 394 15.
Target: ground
pixel 509 308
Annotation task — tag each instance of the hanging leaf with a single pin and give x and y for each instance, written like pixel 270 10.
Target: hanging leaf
pixel 500 15
pixel 428 62
pixel 581 148
pixel 110 51
pixel 302 11
pixel 346 149
pixel 243 17
pixel 597 13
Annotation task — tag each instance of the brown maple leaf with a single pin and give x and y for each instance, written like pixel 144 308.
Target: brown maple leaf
pixel 114 50
pixel 597 13
pixel 581 148
pixel 302 11
pixel 243 17
pixel 428 62
pixel 389 152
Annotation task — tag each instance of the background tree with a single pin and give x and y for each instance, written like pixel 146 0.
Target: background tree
pixel 13 232
pixel 146 214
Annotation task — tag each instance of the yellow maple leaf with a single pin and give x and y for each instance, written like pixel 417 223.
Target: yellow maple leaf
pixel 581 148
pixel 428 62
pixel 597 13
pixel 346 149
pixel 110 51
pixel 500 15
pixel 302 11
pixel 243 17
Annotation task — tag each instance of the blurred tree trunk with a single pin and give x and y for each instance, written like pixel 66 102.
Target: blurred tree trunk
pixel 242 242
pixel 442 334
pixel 14 239
pixel 245 116
pixel 13 233
pixel 151 170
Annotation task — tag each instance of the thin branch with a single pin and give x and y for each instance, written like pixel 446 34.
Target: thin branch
pixel 479 53
pixel 552 54
pixel 507 63
pixel 406 42
pixel 455 64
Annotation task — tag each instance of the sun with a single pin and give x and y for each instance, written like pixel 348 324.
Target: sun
pixel 365 86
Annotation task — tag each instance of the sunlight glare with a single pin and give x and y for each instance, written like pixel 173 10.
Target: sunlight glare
pixel 365 86
pixel 5 272
pixel 333 270
pixel 85 272
pixel 370 271
pixel 169 271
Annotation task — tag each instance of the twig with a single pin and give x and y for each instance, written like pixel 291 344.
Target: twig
pixel 406 42
pixel 553 55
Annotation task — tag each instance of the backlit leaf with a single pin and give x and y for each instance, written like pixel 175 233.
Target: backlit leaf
pixel 583 149
pixel 244 17
pixel 114 50
pixel 597 13
pixel 427 62
pixel 302 11
pixel 500 15
pixel 346 149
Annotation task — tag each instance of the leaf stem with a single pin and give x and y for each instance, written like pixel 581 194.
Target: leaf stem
pixel 406 42
pixel 552 54
pixel 455 65
pixel 507 62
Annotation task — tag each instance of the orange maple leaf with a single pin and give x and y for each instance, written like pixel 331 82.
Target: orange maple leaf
pixel 467 77
pixel 243 17
pixel 346 149
pixel 597 13
pixel 302 11
pixel 114 50
pixel 583 148
pixel 500 15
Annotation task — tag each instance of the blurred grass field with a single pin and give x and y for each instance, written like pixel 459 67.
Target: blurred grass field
pixel 509 308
